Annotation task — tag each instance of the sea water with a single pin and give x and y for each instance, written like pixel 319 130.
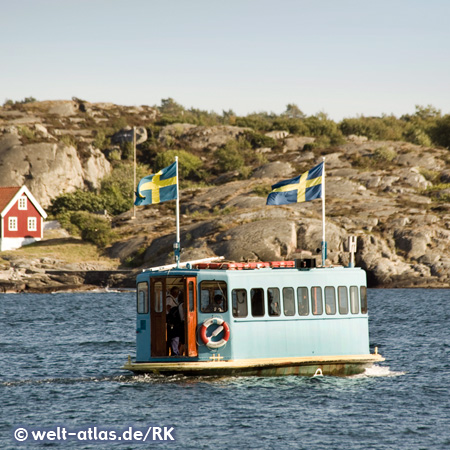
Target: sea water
pixel 60 359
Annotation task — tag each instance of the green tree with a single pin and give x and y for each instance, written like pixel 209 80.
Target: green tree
pixel 170 107
pixel 293 112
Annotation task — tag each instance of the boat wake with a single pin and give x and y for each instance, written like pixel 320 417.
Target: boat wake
pixel 378 371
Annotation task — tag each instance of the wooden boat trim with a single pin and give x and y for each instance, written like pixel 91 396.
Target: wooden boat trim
pixel 198 366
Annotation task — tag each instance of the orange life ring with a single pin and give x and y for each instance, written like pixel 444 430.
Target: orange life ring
pixel 222 326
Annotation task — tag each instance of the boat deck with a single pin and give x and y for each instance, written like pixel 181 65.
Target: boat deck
pixel 342 365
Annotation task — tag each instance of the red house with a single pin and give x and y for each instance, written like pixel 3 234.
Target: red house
pixel 21 218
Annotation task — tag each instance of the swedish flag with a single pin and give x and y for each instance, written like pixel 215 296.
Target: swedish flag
pixel 157 188
pixel 303 188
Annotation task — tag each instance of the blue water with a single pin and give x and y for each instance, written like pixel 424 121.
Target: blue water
pixel 60 358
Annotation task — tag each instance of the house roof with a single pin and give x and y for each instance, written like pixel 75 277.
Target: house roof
pixel 6 195
pixel 9 195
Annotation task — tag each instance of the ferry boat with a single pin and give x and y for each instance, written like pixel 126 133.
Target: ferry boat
pixel 265 319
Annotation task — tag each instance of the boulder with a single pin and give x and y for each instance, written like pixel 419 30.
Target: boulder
pixel 265 240
pixel 49 169
pixel 275 170
pixel 200 137
pixel 412 242
pixel 296 143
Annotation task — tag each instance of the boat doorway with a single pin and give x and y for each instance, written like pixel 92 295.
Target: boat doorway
pixel 160 291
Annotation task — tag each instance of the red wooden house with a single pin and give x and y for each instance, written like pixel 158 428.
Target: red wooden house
pixel 21 218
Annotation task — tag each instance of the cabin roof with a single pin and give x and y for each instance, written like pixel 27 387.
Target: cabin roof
pixel 10 194
pixel 6 195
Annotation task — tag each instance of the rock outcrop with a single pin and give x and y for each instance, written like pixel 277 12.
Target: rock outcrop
pixel 396 207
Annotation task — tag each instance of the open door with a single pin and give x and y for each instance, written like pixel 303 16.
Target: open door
pixel 190 328
pixel 158 316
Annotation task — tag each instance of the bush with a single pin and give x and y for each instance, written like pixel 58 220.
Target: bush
pixel 93 228
pixel 384 154
pixel 188 166
pixel 116 194
pixel 101 141
pixel 232 155
pixel 417 136
pixel 321 126
pixel 76 201
pixel 440 132
pixel 374 128
pixel 258 140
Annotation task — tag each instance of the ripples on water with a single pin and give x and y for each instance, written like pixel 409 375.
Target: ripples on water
pixel 59 365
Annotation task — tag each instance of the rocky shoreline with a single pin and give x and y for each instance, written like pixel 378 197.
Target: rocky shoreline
pixel 392 195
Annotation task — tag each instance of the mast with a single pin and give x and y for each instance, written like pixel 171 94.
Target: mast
pixel 134 169
pixel 176 246
pixel 324 242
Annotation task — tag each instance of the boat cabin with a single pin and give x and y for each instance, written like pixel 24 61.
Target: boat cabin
pixel 241 312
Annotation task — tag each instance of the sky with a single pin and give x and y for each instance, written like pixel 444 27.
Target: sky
pixel 345 58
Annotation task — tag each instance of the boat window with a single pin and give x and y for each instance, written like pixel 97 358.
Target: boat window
pixel 288 301
pixel 343 299
pixel 363 292
pixel 257 297
pixel 354 300
pixel 330 300
pixel 159 297
pixel 213 297
pixel 142 298
pixel 191 296
pixel 273 302
pixel 303 301
pixel 316 300
pixel 239 301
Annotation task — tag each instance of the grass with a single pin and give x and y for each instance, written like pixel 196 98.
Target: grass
pixel 69 250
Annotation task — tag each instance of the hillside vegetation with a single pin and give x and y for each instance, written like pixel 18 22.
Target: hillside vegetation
pixel 388 182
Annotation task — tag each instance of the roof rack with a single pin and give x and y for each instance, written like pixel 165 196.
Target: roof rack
pixel 181 265
pixel 244 265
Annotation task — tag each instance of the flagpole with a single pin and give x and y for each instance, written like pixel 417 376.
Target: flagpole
pixel 134 169
pixel 177 246
pixel 324 242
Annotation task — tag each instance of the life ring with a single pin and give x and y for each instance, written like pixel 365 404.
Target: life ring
pixel 222 326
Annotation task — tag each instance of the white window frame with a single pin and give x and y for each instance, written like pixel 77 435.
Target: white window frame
pixel 12 224
pixel 23 203
pixel 32 224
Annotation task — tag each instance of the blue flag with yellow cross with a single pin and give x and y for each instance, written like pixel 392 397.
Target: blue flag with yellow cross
pixel 157 188
pixel 303 188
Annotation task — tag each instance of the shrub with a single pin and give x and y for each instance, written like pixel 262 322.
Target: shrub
pixel 127 150
pixel 76 201
pixel 258 140
pixel 440 132
pixel 27 133
pixel 117 190
pixel 262 190
pixel 375 128
pixel 189 164
pixel 417 136
pixel 101 141
pixel 321 126
pixel 384 154
pixel 68 140
pixel 93 228
pixel 232 155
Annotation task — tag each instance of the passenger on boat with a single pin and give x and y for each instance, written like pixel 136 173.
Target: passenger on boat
pixel 172 298
pixel 174 319
pixel 218 305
